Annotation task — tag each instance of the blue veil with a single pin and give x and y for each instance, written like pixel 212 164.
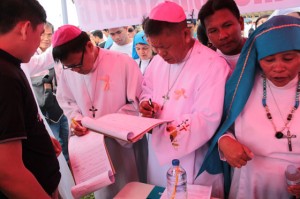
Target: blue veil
pixel 139 38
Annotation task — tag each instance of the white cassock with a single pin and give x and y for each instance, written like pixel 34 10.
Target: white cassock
pixel 263 177
pixel 195 104
pixel 113 85
pixel 37 64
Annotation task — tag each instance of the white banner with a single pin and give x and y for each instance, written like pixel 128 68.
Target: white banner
pixel 100 14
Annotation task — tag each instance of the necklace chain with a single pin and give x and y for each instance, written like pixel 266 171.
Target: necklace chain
pixel 279 134
pixel 166 96
pixel 92 109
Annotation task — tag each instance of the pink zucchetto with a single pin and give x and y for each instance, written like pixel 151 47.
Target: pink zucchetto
pixel 168 11
pixel 65 34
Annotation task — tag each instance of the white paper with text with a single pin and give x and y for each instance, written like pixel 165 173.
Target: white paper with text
pixel 90 163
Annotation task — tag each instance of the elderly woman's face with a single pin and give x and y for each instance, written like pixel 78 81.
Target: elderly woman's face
pixel 281 68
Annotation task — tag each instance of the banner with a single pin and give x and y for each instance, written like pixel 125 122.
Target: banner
pixel 100 14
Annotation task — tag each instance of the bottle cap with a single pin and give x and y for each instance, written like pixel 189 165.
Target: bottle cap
pixel 175 162
pixel 291 169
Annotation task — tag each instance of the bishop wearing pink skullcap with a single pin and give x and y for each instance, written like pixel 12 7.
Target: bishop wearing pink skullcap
pixel 185 82
pixel 96 82
pixel 64 34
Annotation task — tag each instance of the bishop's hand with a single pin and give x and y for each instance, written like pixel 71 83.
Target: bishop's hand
pixel 77 128
pixel 294 190
pixel 149 109
pixel 235 153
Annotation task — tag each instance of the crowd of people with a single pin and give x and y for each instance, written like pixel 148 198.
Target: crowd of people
pixel 232 101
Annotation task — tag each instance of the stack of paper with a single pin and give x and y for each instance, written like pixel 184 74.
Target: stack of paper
pixel 90 163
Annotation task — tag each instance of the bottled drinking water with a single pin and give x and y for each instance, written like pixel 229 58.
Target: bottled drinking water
pixel 176 181
pixel 292 175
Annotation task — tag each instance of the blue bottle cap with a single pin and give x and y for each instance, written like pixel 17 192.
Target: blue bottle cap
pixel 175 162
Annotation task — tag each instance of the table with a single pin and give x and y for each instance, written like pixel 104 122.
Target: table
pixel 137 190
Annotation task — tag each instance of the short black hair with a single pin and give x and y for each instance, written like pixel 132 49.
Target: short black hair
pixel 97 33
pixel 14 11
pixel 154 27
pixel 211 6
pixel 76 45
pixel 201 35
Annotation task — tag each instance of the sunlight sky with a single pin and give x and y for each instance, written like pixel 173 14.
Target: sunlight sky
pixel 54 12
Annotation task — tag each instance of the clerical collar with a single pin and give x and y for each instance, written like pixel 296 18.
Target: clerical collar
pixel 6 56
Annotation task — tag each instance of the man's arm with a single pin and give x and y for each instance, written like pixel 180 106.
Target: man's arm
pixel 39 63
pixel 16 181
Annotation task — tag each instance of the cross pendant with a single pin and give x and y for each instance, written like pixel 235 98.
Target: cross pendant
pixel 289 137
pixel 166 97
pixel 93 109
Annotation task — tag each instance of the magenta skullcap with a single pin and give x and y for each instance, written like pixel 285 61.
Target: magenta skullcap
pixel 65 34
pixel 168 12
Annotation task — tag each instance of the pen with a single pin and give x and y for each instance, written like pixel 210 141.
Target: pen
pixel 75 122
pixel 150 102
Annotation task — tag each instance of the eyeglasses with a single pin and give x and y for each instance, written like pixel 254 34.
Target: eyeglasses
pixel 75 65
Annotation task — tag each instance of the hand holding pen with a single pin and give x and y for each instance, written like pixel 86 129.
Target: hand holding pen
pixel 77 128
pixel 149 108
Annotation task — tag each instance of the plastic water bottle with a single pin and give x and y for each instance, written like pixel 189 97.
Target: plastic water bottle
pixel 176 181
pixel 292 175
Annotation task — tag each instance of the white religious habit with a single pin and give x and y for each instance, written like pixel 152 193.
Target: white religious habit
pixel 143 64
pixel 191 94
pixel 263 177
pixel 113 85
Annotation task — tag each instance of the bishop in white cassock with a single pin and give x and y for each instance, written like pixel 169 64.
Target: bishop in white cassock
pixel 186 83
pixel 105 82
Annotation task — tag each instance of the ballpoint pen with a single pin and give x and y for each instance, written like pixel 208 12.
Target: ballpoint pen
pixel 75 122
pixel 150 102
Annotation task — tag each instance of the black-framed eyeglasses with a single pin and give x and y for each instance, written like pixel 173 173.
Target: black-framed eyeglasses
pixel 75 65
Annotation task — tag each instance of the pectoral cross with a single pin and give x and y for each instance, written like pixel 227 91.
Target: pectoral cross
pixel 289 137
pixel 166 97
pixel 93 109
